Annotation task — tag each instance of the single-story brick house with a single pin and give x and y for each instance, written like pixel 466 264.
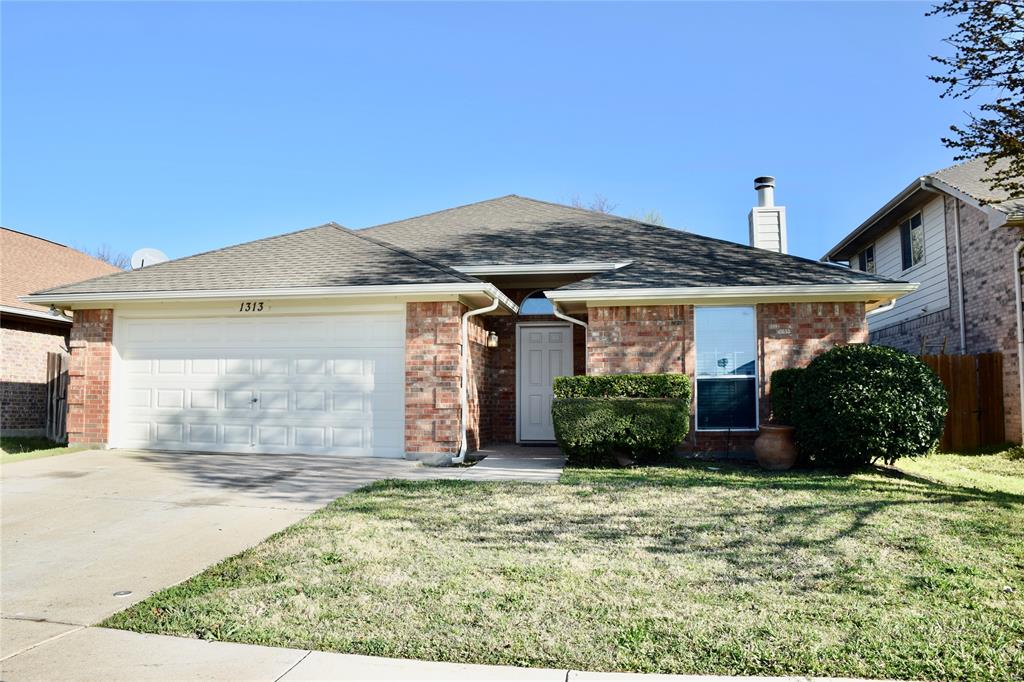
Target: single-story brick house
pixel 28 332
pixel 368 342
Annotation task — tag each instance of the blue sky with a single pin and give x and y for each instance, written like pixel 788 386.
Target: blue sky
pixel 188 126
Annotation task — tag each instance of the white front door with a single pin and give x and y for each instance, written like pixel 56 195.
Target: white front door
pixel 545 352
pixel 312 384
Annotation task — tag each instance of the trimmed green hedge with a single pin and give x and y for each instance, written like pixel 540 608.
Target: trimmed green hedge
pixel 642 416
pixel 675 386
pixel 859 404
pixel 785 397
pixel 591 431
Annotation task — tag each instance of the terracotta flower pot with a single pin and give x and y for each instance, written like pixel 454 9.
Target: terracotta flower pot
pixel 774 447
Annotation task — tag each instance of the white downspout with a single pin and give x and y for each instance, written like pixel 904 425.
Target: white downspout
pixel 1020 331
pixel 882 308
pixel 562 316
pixel 464 390
pixel 959 275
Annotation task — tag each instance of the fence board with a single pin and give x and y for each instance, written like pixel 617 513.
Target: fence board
pixel 975 388
pixel 57 396
pixel 990 393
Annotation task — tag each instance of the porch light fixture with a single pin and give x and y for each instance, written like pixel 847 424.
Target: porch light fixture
pixel 492 340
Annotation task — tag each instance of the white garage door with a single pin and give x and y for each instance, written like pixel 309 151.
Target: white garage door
pixel 331 384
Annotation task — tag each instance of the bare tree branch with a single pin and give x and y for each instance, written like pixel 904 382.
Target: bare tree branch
pixel 107 255
pixel 988 56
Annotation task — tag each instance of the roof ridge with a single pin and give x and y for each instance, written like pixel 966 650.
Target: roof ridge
pixel 430 213
pixel 196 255
pixel 409 254
pixel 42 239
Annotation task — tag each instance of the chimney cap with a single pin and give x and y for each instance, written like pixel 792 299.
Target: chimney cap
pixel 764 181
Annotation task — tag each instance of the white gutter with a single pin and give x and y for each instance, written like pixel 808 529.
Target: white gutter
pixel 821 292
pixel 464 390
pixel 562 316
pixel 274 293
pixel 959 275
pixel 1020 331
pixel 28 312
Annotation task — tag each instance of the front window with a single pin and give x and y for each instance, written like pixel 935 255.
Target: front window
pixel 866 260
pixel 726 340
pixel 912 241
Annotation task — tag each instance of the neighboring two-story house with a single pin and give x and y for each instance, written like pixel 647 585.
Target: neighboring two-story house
pixel 962 241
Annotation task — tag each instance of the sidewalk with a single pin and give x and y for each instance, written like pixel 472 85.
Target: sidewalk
pixel 89 654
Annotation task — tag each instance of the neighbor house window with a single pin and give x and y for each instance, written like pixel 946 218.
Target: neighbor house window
pixel 866 260
pixel 726 340
pixel 912 241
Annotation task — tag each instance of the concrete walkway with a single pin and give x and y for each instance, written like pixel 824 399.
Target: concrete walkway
pixel 85 535
pixel 89 654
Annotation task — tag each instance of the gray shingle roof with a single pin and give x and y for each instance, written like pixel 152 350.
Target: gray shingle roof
pixel 325 256
pixel 519 231
pixel 969 178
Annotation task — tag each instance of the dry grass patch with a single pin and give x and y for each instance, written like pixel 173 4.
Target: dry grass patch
pixel 683 570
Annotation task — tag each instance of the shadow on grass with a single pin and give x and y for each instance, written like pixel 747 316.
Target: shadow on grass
pixel 754 537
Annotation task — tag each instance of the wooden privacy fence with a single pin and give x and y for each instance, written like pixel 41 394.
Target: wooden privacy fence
pixel 975 387
pixel 57 396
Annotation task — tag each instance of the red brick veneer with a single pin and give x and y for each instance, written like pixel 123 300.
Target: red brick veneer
pixel 432 376
pixel 89 376
pixel 660 339
pixel 24 344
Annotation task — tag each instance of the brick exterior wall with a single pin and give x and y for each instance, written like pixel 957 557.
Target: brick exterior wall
pixel 989 299
pixel 629 339
pixel 23 347
pixel 89 377
pixel 990 320
pixel 641 339
pixel 432 377
pixel 929 334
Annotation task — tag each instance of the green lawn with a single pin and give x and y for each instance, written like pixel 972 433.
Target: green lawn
pixel 1002 470
pixel 715 569
pixel 16 449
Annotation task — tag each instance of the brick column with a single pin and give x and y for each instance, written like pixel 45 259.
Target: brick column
pixel 432 377
pixel 89 377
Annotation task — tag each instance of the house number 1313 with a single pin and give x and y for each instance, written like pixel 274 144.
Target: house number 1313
pixel 250 307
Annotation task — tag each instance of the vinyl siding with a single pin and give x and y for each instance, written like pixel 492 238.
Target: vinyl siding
pixel 931 274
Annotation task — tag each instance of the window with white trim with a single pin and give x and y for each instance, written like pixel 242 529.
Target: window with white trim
pixel 726 345
pixel 912 241
pixel 866 260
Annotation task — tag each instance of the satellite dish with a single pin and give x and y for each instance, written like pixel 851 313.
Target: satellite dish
pixel 144 257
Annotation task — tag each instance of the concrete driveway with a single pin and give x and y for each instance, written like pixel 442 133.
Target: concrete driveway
pixel 84 535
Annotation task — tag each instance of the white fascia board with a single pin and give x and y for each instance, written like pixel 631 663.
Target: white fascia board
pixel 738 294
pixel 456 289
pixel 39 314
pixel 539 268
pixel 996 217
pixel 890 205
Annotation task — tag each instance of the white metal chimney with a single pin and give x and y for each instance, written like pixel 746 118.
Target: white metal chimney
pixel 767 221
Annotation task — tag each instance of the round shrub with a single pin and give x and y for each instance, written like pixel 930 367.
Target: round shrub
pixel 859 404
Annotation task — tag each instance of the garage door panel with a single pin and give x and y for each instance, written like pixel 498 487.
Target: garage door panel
pixel 232 385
